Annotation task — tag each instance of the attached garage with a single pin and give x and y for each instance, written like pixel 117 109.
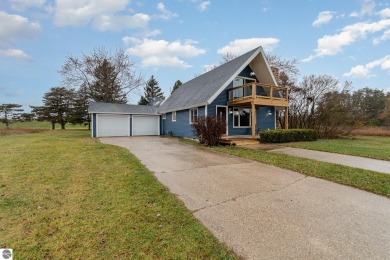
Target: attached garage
pixel 146 125
pixel 112 125
pixel 123 120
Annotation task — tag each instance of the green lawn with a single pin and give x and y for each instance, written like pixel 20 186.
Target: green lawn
pixel 374 182
pixel 40 125
pixel 64 195
pixel 376 147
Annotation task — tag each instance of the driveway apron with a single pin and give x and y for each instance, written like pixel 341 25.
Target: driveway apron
pixel 264 212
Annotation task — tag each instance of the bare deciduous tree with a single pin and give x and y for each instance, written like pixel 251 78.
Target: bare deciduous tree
pixel 104 70
pixel 305 99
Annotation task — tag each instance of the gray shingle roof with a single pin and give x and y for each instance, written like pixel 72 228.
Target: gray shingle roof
pixel 96 107
pixel 199 90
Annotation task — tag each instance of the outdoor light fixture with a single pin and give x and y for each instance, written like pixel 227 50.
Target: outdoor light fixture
pixel 252 73
pixel 269 112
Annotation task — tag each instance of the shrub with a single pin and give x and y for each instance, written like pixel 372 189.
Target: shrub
pixel 209 129
pixel 287 135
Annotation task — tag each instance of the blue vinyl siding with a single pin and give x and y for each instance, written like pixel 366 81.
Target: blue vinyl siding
pixel 264 121
pixel 93 125
pixel 182 126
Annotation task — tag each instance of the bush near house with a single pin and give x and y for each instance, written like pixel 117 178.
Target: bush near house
pixel 287 135
pixel 209 129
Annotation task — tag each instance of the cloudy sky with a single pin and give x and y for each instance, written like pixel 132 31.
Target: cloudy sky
pixel 177 39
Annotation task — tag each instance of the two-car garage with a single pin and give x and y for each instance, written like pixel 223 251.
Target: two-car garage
pixel 123 120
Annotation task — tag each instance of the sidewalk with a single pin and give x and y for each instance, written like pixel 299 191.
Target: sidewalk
pixel 347 160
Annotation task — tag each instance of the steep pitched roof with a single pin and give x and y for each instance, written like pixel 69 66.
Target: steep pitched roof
pixel 203 89
pixel 96 107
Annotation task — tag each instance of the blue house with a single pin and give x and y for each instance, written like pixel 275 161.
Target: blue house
pixel 242 91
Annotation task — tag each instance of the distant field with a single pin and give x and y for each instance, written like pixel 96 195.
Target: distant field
pixel 40 125
pixel 376 147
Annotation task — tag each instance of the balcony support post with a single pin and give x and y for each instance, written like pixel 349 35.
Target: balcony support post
pixel 286 118
pixel 253 112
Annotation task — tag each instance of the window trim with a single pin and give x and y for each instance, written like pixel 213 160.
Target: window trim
pixel 239 123
pixel 190 114
pixel 174 117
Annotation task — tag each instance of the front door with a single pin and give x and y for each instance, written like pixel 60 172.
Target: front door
pixel 222 115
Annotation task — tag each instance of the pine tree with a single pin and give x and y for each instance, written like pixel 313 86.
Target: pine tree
pixel 106 87
pixel 153 95
pixel 80 113
pixel 177 84
pixel 58 106
pixel 9 113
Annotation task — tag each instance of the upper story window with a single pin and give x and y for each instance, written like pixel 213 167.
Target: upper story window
pixel 174 116
pixel 193 115
pixel 242 81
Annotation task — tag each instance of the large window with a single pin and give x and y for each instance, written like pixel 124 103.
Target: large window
pixel 174 116
pixel 245 91
pixel 241 117
pixel 193 115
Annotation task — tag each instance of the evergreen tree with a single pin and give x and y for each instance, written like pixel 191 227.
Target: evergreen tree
pixel 58 106
pixel 177 84
pixel 153 95
pixel 106 87
pixel 80 113
pixel 10 113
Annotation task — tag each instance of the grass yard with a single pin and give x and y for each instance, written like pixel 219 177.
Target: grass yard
pixel 376 147
pixel 374 182
pixel 40 125
pixel 64 195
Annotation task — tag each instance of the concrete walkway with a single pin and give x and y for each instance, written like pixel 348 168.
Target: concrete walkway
pixel 348 160
pixel 264 212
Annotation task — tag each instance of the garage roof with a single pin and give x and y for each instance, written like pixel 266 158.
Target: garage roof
pixel 97 107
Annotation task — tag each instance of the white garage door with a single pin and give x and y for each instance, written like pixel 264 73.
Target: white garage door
pixel 113 125
pixel 146 125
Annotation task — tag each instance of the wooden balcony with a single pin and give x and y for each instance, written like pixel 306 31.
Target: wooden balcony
pixel 258 94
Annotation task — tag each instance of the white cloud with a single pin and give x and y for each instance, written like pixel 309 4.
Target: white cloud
pixel 354 14
pixel 102 14
pixel 15 53
pixel 16 26
pixel 363 71
pixel 240 46
pixel 385 36
pixel 24 4
pixel 203 6
pixel 161 53
pixel 323 18
pixel 165 13
pixel 330 45
pixel 117 23
pixel 385 13
pixel 367 8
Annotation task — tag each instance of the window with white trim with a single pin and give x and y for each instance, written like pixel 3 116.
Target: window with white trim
pixel 193 115
pixel 174 116
pixel 241 117
pixel 164 116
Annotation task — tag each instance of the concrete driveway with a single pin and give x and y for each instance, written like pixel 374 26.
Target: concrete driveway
pixel 264 212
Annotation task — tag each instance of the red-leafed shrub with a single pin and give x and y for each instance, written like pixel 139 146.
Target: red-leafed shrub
pixel 209 129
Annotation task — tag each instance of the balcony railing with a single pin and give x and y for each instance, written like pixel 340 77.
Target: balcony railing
pixel 260 93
